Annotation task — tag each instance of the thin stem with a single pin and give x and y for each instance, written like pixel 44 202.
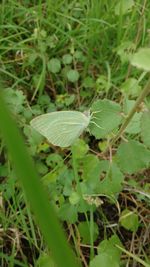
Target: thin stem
pixel 91 233
pixel 139 100
pixel 133 256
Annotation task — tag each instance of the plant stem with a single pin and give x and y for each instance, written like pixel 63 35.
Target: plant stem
pixel 133 256
pixel 139 100
pixel 91 233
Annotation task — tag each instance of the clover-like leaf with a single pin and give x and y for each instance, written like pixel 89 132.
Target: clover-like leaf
pixel 73 76
pixel 54 65
pixel 67 59
pixel 129 220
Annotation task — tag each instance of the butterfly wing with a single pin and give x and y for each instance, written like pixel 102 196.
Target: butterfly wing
pixel 61 128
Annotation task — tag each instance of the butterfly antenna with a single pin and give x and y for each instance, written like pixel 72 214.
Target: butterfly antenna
pixel 94 112
pixel 96 125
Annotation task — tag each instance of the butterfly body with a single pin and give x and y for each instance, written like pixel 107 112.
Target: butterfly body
pixel 61 128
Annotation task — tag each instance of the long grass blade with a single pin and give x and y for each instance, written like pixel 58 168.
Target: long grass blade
pixel 25 171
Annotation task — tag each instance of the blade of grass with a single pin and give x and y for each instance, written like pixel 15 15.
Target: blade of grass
pixel 34 191
pixel 133 256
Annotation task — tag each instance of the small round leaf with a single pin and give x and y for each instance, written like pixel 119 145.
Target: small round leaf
pixel 67 59
pixel 54 65
pixel 73 76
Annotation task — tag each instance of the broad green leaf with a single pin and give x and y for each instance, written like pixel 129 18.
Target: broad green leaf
pixel 35 193
pixel 124 51
pixel 54 65
pixel 130 87
pixel 133 156
pixel 112 181
pixel 103 260
pixel 141 59
pixel 145 128
pixel 134 125
pixel 88 173
pixel 106 117
pixel 73 76
pixel 84 231
pixel 123 7
pixel 68 212
pixel 129 220
pixel 109 246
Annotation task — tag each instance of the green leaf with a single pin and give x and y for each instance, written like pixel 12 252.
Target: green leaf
pixel 123 7
pixel 15 100
pixel 79 56
pixel 80 148
pixel 132 156
pixel 106 115
pixel 88 172
pixel 64 99
pixel 54 160
pixel 134 125
pixel 68 212
pixel 112 182
pixel 84 231
pixel 124 51
pixel 54 65
pixel 67 181
pixel 109 246
pixel 44 100
pixel 74 198
pixel 88 82
pixel 67 59
pixel 103 260
pixel 129 220
pixel 141 59
pixel 41 167
pixel 130 87
pixel 102 83
pixel 73 76
pixel 145 128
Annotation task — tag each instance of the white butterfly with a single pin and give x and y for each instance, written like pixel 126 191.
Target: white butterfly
pixel 62 128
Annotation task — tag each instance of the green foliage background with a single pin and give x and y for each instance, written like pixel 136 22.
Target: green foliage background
pixel 75 55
